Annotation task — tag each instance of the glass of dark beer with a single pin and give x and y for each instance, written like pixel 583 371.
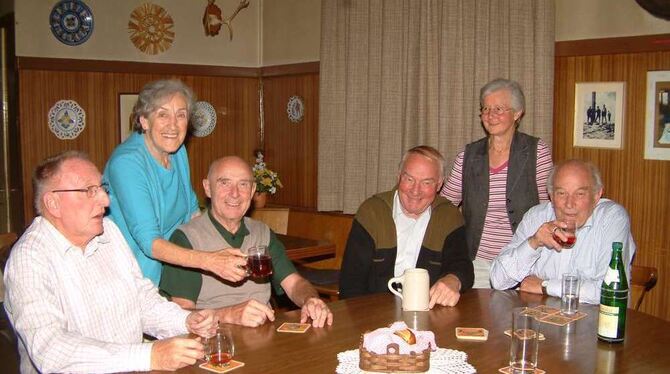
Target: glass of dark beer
pixel 220 348
pixel 259 262
pixel 570 232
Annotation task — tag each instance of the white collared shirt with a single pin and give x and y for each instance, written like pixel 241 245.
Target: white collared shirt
pixel 589 258
pixel 409 233
pixel 83 311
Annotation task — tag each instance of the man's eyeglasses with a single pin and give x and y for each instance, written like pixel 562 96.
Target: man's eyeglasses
pixel 497 110
pixel 90 191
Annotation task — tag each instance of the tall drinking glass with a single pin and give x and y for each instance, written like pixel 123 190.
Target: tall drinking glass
pixel 524 346
pixel 570 294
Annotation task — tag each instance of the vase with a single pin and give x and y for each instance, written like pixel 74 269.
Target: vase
pixel 260 198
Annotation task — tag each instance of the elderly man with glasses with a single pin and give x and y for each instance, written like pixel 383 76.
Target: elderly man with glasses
pixel 75 294
pixel 409 227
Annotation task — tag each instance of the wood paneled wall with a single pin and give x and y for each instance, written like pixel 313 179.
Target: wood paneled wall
pixel 96 86
pixel 291 149
pixel 640 185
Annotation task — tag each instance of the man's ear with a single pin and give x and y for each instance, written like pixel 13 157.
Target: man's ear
pixel 51 204
pixel 205 185
pixel 599 193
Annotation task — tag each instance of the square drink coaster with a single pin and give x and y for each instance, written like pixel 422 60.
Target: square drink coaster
pixel 232 365
pixel 508 370
pixel 509 333
pixel 295 328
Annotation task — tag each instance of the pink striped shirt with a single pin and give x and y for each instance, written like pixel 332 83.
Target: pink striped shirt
pixel 497 230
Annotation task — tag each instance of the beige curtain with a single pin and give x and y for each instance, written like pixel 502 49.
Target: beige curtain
pixel 399 73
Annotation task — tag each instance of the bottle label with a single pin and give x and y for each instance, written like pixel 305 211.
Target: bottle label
pixel 608 321
pixel 611 276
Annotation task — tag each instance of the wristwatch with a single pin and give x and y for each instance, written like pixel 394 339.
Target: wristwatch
pixel 545 283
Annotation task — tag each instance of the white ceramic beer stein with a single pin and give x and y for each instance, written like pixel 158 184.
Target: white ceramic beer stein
pixel 415 287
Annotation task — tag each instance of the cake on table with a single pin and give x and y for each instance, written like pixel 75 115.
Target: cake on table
pixel 396 349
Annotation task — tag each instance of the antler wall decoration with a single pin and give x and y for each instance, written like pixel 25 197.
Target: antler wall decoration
pixel 213 19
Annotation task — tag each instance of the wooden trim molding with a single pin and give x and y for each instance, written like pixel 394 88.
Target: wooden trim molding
pixel 106 66
pixel 608 46
pixel 290 69
pixel 102 66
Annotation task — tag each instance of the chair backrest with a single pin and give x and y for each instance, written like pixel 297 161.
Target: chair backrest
pixel 276 218
pixel 333 227
pixel 6 242
pixel 645 278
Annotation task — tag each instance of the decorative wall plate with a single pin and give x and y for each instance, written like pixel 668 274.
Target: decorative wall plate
pixel 71 21
pixel 295 109
pixel 150 28
pixel 67 119
pixel 203 120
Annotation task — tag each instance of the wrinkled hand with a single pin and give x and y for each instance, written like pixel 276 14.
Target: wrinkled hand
pixel 175 353
pixel 318 311
pixel 543 237
pixel 250 313
pixel 229 264
pixel 202 322
pixel 445 292
pixel 531 284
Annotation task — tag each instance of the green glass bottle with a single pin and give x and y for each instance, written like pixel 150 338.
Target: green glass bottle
pixel 613 299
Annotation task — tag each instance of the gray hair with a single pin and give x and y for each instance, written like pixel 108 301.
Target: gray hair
pixel 596 178
pixel 426 151
pixel 47 170
pixel 154 94
pixel 513 87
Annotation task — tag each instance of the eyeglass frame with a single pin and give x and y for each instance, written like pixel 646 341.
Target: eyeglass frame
pixel 91 191
pixel 498 110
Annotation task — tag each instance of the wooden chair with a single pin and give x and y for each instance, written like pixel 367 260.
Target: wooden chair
pixel 644 278
pixel 276 218
pixel 323 274
pixel 9 354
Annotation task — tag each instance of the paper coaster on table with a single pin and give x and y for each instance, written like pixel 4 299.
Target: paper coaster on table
pixel 540 337
pixel 508 370
pixel 232 365
pixel 441 361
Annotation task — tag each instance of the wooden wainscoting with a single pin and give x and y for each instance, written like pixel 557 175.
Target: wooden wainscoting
pixel 640 185
pixel 291 149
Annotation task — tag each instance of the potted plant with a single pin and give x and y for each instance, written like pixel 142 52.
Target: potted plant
pixel 267 181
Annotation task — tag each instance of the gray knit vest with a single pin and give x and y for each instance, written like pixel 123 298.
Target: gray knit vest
pixel 216 292
pixel 521 187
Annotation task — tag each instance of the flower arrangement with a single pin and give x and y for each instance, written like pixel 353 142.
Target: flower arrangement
pixel 266 179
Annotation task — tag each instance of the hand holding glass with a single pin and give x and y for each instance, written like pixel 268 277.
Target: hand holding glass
pixel 570 294
pixel 220 348
pixel 259 262
pixel 570 232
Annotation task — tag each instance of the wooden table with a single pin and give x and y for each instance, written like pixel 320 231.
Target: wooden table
pixel 570 349
pixel 298 248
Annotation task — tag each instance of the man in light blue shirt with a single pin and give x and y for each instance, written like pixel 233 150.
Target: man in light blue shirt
pixel 537 261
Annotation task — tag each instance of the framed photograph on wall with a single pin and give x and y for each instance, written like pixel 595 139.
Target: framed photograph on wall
pixel 657 123
pixel 599 115
pixel 126 103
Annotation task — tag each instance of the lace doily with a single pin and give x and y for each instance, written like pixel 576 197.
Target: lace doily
pixel 441 361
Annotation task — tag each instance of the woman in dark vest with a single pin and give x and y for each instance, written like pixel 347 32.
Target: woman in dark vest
pixel 498 178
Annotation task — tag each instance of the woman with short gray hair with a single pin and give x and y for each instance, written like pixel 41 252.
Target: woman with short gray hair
pixel 498 178
pixel 150 185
